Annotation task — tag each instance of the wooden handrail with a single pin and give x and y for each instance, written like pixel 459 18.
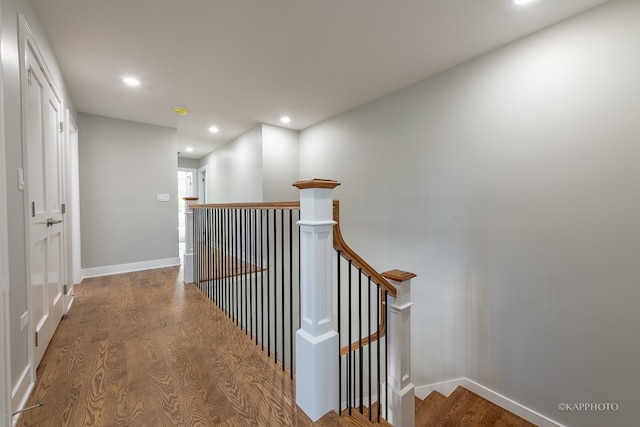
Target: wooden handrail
pixel 295 205
pixel 338 241
pixel 339 245
pixel 349 254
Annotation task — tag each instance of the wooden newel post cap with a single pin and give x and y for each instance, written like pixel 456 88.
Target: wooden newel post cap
pixel 398 275
pixel 190 199
pixel 316 183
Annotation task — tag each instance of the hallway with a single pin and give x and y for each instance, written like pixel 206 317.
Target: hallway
pixel 142 348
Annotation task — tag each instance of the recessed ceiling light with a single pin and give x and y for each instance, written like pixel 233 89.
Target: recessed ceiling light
pixel 214 129
pixel 285 119
pixel 131 81
pixel 189 149
pixel 522 1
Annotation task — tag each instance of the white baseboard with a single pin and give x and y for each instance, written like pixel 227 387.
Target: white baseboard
pixel 20 393
pixel 127 268
pixel 447 387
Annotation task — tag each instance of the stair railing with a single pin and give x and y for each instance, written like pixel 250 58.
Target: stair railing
pixel 246 259
pixel 377 374
pixel 372 318
pixel 362 299
pixel 273 279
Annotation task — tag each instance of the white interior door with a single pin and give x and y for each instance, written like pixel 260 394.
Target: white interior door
pixel 5 371
pixel 45 192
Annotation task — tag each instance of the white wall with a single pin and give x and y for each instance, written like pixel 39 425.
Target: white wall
pixel 234 170
pixel 279 163
pixel 261 164
pixel 123 166
pixel 510 186
pixel 187 163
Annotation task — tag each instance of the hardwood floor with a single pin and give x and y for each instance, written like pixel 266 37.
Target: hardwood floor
pixel 464 408
pixel 143 349
pixel 217 264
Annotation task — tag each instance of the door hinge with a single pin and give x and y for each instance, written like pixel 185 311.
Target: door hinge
pixel 33 209
pixel 36 338
pixel 65 289
pixel 64 208
pixel 61 127
pixel 29 77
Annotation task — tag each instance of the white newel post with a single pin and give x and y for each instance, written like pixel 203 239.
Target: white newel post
pixel 401 390
pixel 188 239
pixel 317 342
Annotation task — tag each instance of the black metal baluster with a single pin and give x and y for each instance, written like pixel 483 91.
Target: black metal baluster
pixel 378 348
pixel 360 335
pixel 262 252
pixel 386 361
pixel 350 356
pixel 205 262
pixel 339 290
pixel 210 252
pixel 232 259
pixel 236 277
pixel 234 281
pixel 196 252
pixel 370 343
pixel 238 273
pixel 243 260
pixel 291 294
pixel 247 270
pixel 252 233
pixel 275 287
pixel 212 280
pixel 282 295
pixel 208 258
pixel 219 246
pixel 218 271
pixel 223 248
pixel 268 288
pixel 227 266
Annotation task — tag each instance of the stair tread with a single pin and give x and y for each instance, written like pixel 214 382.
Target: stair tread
pixel 464 407
pixel 331 419
pixel 427 407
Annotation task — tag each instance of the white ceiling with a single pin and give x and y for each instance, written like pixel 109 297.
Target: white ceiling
pixel 237 63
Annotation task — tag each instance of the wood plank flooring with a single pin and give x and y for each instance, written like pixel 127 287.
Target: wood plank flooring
pixel 143 349
pixel 217 264
pixel 464 408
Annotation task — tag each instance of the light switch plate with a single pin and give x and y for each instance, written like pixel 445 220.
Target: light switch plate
pixel 162 197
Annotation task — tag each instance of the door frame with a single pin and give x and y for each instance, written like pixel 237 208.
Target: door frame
pixel 26 41
pixel 195 185
pixel 72 199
